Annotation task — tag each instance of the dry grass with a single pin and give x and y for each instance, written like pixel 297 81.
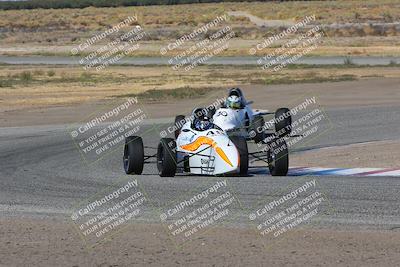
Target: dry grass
pixel 44 31
pixel 192 15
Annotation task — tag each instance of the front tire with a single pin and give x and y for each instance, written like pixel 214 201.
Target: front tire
pixel 278 157
pixel 133 155
pixel 241 145
pixel 179 121
pixel 283 122
pixel 166 157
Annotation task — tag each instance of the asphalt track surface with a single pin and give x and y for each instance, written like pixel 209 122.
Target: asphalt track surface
pixel 43 175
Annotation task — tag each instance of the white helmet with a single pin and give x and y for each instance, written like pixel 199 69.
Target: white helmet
pixel 234 102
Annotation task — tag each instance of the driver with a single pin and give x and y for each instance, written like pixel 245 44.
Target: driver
pixel 234 99
pixel 233 102
pixel 201 121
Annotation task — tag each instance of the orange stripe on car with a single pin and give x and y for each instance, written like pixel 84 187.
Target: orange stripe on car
pixel 204 140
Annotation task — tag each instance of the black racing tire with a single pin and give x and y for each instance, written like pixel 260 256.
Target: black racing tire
pixel 133 155
pixel 246 121
pixel 278 157
pixel 241 145
pixel 166 157
pixel 179 121
pixel 283 125
pixel 258 133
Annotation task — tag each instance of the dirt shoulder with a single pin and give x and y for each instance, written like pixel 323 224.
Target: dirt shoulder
pixel 366 92
pixel 56 243
pixel 23 87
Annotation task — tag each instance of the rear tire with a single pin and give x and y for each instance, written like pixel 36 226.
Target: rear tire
pixel 283 125
pixel 133 155
pixel 278 157
pixel 166 157
pixel 179 121
pixel 258 134
pixel 241 145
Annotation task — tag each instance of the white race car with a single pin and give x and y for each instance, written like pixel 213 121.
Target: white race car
pixel 237 117
pixel 201 148
pixel 238 120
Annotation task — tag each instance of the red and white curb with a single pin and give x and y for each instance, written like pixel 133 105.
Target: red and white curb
pixel 319 171
pixel 299 171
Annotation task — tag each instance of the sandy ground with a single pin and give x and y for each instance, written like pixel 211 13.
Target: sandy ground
pixel 36 242
pixel 364 92
pixel 380 154
pixel 73 86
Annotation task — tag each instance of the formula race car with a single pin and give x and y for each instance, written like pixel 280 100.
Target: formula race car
pixel 236 117
pixel 201 148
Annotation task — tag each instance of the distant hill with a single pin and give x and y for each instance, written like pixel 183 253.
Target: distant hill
pixel 46 4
